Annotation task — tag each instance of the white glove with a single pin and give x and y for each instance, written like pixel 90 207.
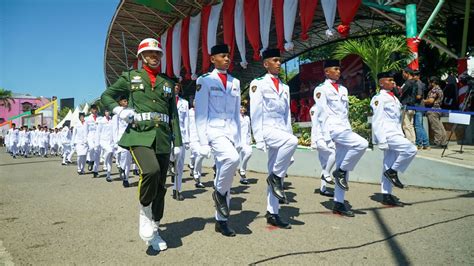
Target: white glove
pixel 261 146
pixel 321 144
pixel 127 115
pixel 314 146
pixel 331 145
pixel 176 151
pixel 186 146
pixel 205 151
pixel 383 146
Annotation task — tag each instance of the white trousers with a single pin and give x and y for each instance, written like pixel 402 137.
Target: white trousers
pixel 66 152
pixel 81 161
pixel 196 159
pixel 227 161
pixel 327 159
pixel 178 168
pixel 281 146
pixel 94 156
pixel 398 156
pixel 125 162
pixel 245 155
pixel 349 149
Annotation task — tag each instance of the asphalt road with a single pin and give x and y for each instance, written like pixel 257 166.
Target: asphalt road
pixel 50 215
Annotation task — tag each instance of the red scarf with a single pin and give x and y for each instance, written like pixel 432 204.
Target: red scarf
pixel 152 74
pixel 336 86
pixel 223 78
pixel 177 98
pixel 276 83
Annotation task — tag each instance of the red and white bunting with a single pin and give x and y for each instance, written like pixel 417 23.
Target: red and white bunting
pixel 329 9
pixel 194 25
pixel 307 10
pixel 176 55
pixel 239 26
pixel 265 13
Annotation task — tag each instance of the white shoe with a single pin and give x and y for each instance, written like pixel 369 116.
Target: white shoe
pixel 157 242
pixel 145 229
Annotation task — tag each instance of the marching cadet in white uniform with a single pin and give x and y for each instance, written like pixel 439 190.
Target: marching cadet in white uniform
pixel 196 157
pixel 43 141
pixel 271 125
pixel 218 127
pixel 66 138
pixel 245 140
pixel 14 140
pixel 94 147
pixel 179 152
pixel 388 135
pixel 326 151
pixel 79 140
pixel 106 142
pixel 21 141
pixel 124 157
pixel 332 102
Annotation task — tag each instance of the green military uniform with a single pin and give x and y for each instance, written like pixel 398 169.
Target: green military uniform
pixel 150 140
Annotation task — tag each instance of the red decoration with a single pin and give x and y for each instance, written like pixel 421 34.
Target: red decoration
pixel 307 9
pixel 205 13
pixel 229 32
pixel 169 52
pixel 347 10
pixel 412 44
pixel 252 26
pixel 185 46
pixel 278 13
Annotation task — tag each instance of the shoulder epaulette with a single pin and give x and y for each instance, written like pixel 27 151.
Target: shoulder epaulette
pixel 205 75
pixel 259 78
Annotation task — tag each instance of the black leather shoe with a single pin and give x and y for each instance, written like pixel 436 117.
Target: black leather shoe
pixel 277 187
pixel 199 185
pixel 179 197
pixel 275 220
pixel 326 193
pixel 389 200
pixel 89 167
pixel 135 172
pixel 340 208
pixel 172 179
pixel 327 179
pixel 392 176
pixel 244 181
pixel 340 178
pixel 221 203
pixel 95 174
pixel 125 183
pixel 224 229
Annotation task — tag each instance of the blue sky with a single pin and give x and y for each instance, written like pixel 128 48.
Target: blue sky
pixel 54 47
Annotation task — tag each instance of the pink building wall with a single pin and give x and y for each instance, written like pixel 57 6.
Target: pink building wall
pixel 17 107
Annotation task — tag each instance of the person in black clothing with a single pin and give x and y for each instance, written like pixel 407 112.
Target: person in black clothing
pixel 408 98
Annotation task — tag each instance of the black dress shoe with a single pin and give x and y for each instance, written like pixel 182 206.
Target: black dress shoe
pixel 328 179
pixel 340 208
pixel 199 185
pixel 95 174
pixel 80 172
pixel 388 199
pixel 172 179
pixel 277 187
pixel 135 172
pixel 340 178
pixel 89 167
pixel 179 197
pixel 224 229
pixel 275 220
pixel 392 176
pixel 221 203
pixel 125 183
pixel 244 181
pixel 326 193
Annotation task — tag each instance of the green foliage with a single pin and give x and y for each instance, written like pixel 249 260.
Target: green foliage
pixel 359 111
pixel 303 134
pixel 6 98
pixel 379 53
pixel 63 112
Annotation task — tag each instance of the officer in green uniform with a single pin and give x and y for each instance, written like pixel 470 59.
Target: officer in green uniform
pixel 153 124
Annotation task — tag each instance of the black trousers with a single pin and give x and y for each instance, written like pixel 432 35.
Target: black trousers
pixel 151 187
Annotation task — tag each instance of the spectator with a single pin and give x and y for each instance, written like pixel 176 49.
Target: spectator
pixel 407 98
pixel 421 136
pixel 294 109
pixel 304 111
pixel 434 100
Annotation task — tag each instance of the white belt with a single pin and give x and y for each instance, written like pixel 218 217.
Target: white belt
pixel 221 115
pixel 157 117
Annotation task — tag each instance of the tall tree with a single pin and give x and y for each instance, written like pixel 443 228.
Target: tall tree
pixel 6 98
pixel 379 53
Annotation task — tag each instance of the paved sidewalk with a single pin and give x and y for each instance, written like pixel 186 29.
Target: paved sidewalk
pixel 50 215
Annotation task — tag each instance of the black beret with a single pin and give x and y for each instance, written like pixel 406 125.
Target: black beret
pixel 81 113
pixel 220 49
pixel 382 75
pixel 269 53
pixel 409 70
pixel 331 63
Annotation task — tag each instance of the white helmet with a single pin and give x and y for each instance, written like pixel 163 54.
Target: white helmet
pixel 149 44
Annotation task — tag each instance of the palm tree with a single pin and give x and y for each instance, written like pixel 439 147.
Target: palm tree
pixel 6 98
pixel 379 53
